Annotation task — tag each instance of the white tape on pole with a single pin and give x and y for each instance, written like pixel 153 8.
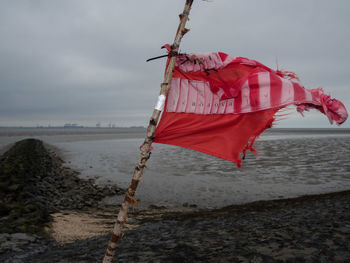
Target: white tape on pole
pixel 160 103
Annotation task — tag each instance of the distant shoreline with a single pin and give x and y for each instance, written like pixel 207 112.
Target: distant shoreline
pixel 143 127
pixel 70 127
pixel 13 131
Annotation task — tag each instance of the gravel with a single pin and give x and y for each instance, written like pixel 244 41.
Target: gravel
pixel 306 229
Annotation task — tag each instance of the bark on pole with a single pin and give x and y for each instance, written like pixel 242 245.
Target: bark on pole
pixel 146 147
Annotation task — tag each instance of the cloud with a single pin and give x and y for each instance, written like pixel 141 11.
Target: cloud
pixel 85 60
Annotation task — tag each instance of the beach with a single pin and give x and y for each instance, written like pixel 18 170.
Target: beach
pixel 288 204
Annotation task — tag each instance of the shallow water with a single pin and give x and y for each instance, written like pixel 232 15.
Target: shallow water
pixel 290 163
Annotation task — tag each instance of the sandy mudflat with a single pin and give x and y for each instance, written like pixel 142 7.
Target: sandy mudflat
pixel 69 226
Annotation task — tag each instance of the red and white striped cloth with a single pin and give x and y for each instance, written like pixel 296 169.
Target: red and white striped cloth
pixel 235 98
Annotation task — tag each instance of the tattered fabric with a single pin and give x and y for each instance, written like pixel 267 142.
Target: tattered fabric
pixel 219 104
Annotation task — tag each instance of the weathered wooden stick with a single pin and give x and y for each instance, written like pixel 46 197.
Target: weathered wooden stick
pixel 146 147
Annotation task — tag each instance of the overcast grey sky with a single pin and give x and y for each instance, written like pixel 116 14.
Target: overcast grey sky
pixel 83 61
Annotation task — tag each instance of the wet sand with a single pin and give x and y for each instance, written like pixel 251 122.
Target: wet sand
pixel 291 163
pixel 288 165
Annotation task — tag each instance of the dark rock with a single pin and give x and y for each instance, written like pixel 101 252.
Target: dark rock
pixel 23 237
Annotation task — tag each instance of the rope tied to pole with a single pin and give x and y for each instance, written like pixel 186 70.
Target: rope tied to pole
pixel 171 53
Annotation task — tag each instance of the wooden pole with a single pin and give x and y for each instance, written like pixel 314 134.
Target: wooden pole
pixel 146 147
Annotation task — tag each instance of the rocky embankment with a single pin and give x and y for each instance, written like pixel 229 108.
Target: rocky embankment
pixel 34 183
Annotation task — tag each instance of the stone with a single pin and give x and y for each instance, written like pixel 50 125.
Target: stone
pixel 23 237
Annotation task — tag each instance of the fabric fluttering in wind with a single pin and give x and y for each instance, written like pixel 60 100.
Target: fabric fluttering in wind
pixel 219 104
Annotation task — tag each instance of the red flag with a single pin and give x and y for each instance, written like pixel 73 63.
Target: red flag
pixel 220 104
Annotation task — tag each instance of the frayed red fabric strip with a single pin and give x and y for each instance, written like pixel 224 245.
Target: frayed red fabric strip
pixel 251 141
pixel 287 74
pixel 167 47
